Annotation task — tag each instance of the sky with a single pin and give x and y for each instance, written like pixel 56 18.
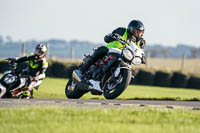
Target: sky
pixel 167 22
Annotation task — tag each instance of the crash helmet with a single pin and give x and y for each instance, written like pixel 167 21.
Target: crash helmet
pixel 136 29
pixel 40 50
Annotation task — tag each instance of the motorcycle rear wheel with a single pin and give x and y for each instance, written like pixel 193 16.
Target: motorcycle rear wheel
pixel 72 92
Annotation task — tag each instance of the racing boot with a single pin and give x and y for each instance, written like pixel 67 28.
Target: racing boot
pixel 26 94
pixel 100 52
pixel 78 74
pixel 95 85
pixel 84 67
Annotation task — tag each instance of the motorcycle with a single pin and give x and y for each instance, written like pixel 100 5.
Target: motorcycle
pixel 13 82
pixel 112 82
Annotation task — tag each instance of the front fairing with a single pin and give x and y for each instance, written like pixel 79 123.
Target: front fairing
pixel 138 54
pixel 9 79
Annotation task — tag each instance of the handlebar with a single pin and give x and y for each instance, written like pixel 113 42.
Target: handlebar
pixel 124 42
pixel 119 38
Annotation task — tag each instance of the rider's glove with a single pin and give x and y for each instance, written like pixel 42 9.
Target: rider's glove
pixel 11 60
pixel 116 36
pixel 142 43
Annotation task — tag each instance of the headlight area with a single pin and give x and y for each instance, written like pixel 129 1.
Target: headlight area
pixel 137 60
pixel 127 54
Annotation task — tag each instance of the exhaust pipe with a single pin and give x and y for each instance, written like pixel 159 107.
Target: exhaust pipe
pixel 81 85
pixel 76 75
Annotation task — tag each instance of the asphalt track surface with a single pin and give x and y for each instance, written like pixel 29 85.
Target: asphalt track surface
pixel 98 103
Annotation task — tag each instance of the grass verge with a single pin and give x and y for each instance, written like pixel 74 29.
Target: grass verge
pixel 118 120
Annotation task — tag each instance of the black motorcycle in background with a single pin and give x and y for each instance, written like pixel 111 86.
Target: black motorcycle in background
pixel 114 81
pixel 13 81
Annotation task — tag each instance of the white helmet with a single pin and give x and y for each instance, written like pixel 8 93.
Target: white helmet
pixel 40 50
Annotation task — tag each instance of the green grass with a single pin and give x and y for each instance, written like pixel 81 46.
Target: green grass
pixel 163 93
pixel 51 88
pixel 55 88
pixel 109 120
pixel 50 119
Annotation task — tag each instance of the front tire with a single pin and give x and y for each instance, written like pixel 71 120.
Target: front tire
pixel 120 87
pixel 72 92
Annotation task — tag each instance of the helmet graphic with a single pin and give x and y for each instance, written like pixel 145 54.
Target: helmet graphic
pixel 40 50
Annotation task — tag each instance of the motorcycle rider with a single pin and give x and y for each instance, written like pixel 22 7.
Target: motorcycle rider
pixel 134 32
pixel 36 70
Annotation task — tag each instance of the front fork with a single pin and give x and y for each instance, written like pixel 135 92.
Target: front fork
pixel 125 65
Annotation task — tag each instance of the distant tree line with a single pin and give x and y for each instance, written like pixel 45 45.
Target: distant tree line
pixel 64 49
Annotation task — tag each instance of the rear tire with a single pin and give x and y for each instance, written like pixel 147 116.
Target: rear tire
pixel 126 78
pixel 72 92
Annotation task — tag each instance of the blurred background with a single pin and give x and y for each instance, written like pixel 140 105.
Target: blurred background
pixel 71 29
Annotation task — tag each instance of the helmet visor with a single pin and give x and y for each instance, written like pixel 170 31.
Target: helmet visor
pixel 138 33
pixel 38 52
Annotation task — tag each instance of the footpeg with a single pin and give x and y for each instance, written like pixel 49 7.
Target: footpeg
pixel 96 85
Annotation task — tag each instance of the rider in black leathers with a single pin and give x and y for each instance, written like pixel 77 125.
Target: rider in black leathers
pixel 133 33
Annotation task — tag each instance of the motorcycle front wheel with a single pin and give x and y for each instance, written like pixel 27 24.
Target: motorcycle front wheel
pixel 114 87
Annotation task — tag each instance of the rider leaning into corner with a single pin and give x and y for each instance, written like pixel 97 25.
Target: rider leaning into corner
pixel 133 33
pixel 36 69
